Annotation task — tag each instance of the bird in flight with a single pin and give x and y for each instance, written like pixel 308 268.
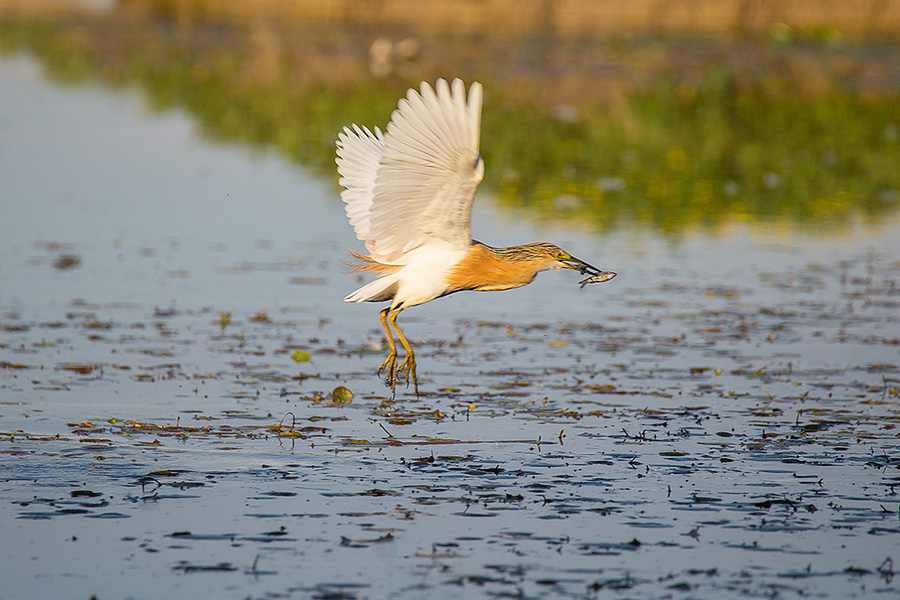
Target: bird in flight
pixel 408 193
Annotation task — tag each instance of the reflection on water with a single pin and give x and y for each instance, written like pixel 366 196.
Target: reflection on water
pixel 769 133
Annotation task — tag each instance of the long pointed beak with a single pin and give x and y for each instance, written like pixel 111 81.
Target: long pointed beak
pixel 579 265
pixel 596 275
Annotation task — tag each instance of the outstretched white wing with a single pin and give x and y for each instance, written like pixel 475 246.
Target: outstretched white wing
pixel 358 154
pixel 415 184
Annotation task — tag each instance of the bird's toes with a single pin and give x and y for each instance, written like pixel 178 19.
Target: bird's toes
pixel 390 380
pixel 389 365
pixel 415 381
pixel 408 365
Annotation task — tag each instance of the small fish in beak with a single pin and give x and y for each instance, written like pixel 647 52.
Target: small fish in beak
pixel 597 278
pixel 596 275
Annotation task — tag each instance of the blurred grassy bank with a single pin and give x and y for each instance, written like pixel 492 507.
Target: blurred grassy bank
pixel 782 128
pixel 860 18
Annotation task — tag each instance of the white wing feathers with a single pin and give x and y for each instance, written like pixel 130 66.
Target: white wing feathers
pixel 415 184
pixel 358 153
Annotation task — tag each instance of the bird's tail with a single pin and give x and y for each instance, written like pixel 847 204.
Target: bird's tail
pixel 380 290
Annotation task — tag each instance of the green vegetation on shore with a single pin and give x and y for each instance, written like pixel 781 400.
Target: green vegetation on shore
pixel 671 155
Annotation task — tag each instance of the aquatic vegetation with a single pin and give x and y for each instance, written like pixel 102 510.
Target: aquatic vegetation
pixel 683 436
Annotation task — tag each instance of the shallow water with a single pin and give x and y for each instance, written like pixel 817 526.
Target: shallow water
pixel 718 421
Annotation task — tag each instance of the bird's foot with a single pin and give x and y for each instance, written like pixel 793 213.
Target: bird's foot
pixel 390 366
pixel 409 364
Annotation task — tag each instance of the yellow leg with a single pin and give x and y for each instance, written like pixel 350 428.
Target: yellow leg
pixel 409 361
pixel 390 363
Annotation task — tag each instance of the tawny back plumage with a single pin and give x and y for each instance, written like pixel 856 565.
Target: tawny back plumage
pixel 484 268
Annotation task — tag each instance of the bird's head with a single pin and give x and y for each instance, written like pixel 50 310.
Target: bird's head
pixel 557 258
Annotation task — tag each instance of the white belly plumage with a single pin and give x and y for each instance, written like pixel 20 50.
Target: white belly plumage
pixel 422 278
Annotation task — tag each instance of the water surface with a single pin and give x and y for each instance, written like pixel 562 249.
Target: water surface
pixel 718 421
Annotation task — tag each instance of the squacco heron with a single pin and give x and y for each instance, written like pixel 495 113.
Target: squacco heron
pixel 409 193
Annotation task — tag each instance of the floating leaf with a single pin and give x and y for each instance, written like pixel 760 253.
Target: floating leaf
pixel 300 356
pixel 341 395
